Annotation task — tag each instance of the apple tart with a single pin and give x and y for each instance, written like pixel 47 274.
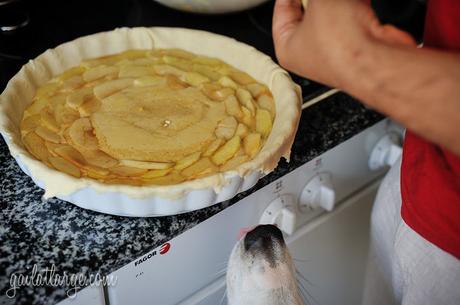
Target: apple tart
pixel 148 117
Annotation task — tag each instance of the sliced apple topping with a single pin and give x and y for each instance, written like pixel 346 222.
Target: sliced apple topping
pixel 148 117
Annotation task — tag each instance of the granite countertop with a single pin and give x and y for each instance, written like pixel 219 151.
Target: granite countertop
pixel 50 232
pixel 46 232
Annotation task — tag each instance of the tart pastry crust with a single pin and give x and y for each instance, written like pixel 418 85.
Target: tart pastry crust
pixel 21 89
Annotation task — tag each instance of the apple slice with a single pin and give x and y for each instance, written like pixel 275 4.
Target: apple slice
pixel 232 106
pixel 128 171
pixel 227 151
pixel 251 144
pixel 135 71
pixel 124 181
pixel 79 70
pixel 194 79
pixel 246 100
pixel 266 102
pixel 64 166
pixel 204 70
pixel 241 130
pixel 65 115
pixel 99 158
pixel 209 61
pixel 111 87
pixel 80 135
pixel 241 77
pixel 177 62
pixel 72 83
pixel 70 154
pixel 30 123
pixel 150 80
pixel 76 98
pixel 47 90
pixel 233 163
pixel 201 167
pixel 99 72
pixel 96 172
pixel 172 178
pixel 256 89
pixel 48 120
pixel 226 81
pixel 168 69
pixel 247 117
pixel 147 164
pixel 36 146
pixel 226 128
pixel 38 104
pixel 48 135
pixel 155 173
pixel 89 107
pixel 223 93
pixel 213 147
pixel 187 161
pixel 263 122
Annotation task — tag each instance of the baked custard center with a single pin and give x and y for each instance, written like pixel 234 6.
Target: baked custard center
pixel 131 124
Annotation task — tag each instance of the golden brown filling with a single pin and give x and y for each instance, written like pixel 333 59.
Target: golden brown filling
pixel 142 117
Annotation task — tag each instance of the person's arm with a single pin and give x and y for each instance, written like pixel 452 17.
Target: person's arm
pixel 341 43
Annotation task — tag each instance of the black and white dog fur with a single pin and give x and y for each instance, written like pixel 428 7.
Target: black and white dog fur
pixel 260 270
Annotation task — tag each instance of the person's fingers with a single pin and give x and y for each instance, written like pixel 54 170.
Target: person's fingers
pixel 392 35
pixel 287 14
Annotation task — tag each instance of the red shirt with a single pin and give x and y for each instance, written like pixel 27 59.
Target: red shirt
pixel 430 175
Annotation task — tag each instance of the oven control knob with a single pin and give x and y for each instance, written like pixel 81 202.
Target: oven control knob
pixel 281 212
pixel 318 193
pixel 386 152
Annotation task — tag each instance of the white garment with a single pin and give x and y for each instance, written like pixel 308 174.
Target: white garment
pixel 403 267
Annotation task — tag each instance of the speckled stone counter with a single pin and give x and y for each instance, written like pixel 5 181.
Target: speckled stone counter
pixel 35 231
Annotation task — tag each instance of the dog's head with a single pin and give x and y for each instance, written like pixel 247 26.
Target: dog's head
pixel 260 270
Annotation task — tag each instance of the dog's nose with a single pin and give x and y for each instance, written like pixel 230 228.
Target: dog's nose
pixel 262 236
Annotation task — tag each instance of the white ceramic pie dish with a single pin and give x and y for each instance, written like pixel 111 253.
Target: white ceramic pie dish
pixel 144 201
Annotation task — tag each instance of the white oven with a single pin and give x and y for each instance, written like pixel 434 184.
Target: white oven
pixel 323 208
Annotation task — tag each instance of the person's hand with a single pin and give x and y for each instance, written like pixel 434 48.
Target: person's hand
pixel 329 37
